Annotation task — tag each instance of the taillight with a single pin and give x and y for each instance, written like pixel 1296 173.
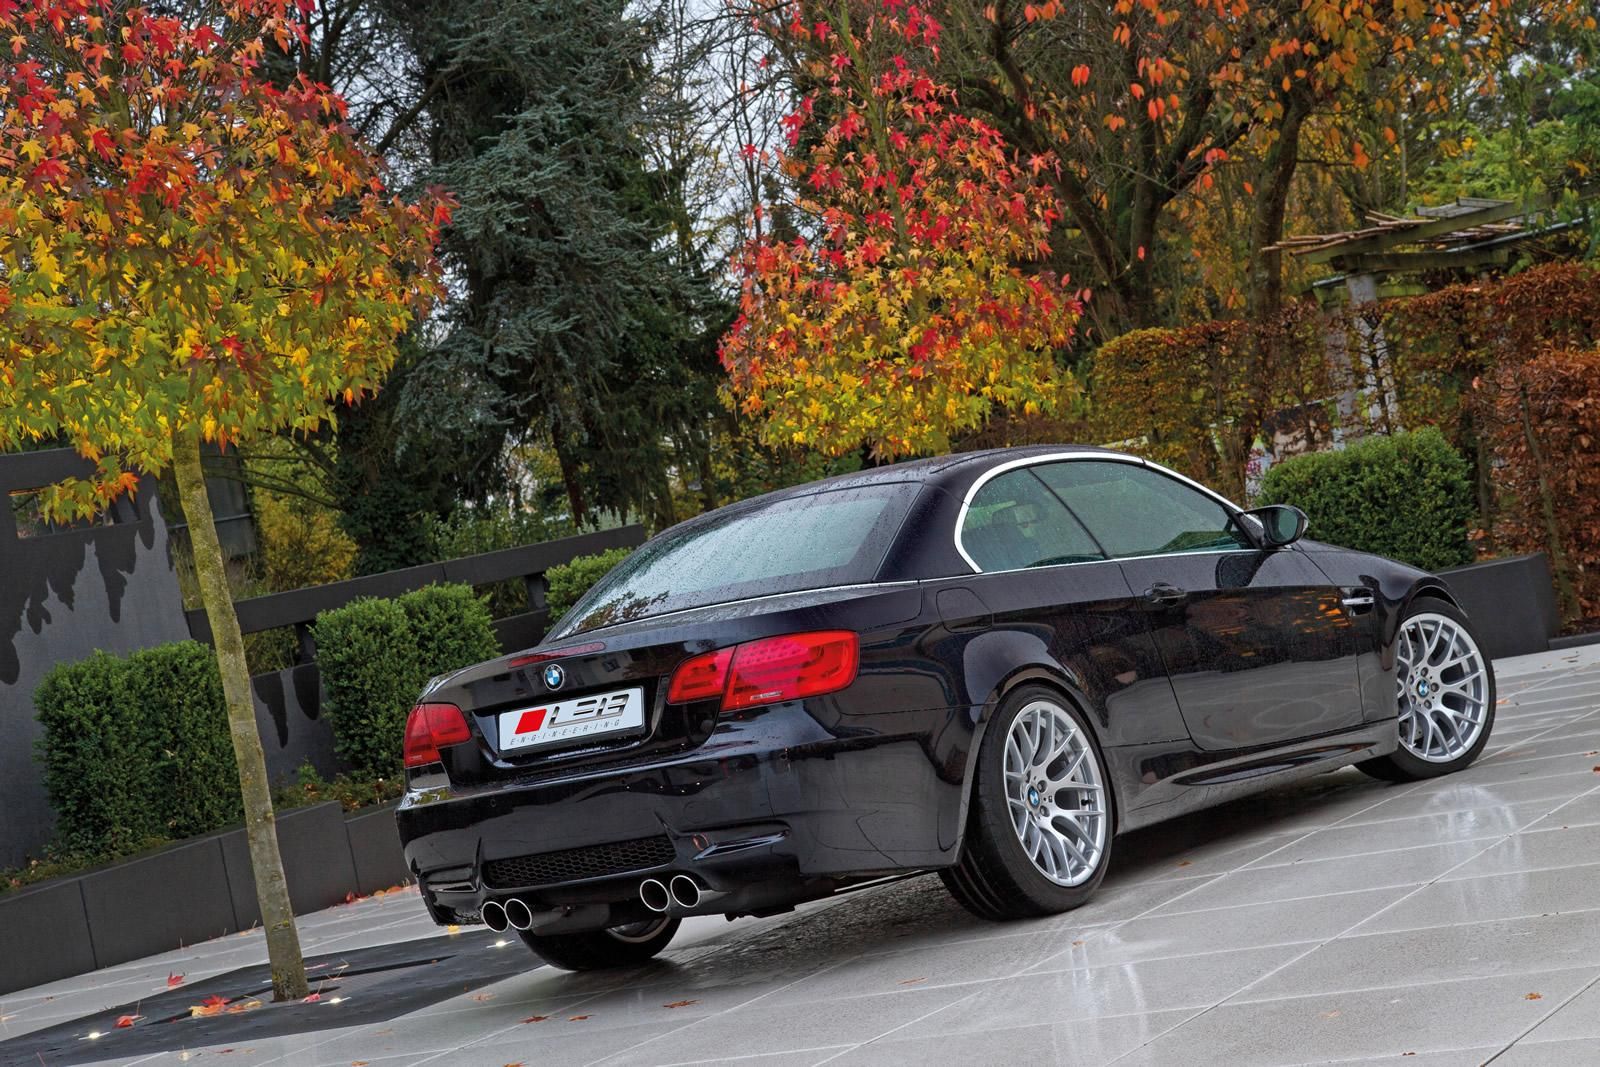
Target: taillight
pixel 431 727
pixel 701 678
pixel 770 670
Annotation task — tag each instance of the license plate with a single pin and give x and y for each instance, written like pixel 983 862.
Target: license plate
pixel 572 720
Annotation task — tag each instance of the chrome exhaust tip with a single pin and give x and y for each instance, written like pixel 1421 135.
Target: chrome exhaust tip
pixel 518 914
pixel 494 917
pixel 685 891
pixel 654 895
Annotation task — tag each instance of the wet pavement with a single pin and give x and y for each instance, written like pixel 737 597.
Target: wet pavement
pixel 1455 921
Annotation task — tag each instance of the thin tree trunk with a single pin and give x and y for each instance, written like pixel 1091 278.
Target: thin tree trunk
pixel 261 832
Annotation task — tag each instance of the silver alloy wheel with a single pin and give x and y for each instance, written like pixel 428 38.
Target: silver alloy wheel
pixel 1444 688
pixel 643 930
pixel 1055 793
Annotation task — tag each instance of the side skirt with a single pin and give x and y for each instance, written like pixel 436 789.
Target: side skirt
pixel 1186 779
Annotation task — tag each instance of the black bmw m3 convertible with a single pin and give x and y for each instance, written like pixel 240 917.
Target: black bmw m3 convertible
pixel 987 665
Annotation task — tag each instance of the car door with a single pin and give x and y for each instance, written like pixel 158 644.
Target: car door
pixel 1256 641
pixel 1050 594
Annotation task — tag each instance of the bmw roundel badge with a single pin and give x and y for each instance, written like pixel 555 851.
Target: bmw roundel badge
pixel 554 676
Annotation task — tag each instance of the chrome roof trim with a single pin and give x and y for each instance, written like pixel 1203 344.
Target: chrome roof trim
pixel 1057 457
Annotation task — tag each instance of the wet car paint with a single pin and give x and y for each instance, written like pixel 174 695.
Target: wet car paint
pixel 1261 675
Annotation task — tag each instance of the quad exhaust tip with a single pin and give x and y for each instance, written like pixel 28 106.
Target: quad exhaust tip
pixel 685 891
pixel 518 914
pixel 654 894
pixel 494 916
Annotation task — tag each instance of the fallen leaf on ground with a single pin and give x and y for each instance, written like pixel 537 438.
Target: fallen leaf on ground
pixel 358 1063
pixel 1075 944
pixel 536 1018
pixel 174 980
pixel 1334 1014
pixel 243 1005
pixel 577 1018
pixel 312 999
pixel 680 1004
pixel 483 997
pixel 1534 996
pixel 1185 863
pixel 210 1006
pixel 452 929
pixel 912 981
pixel 125 1021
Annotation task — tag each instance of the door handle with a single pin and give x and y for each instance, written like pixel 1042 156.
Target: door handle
pixel 1357 599
pixel 1164 594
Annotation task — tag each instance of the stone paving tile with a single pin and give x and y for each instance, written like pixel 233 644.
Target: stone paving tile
pixel 1363 1023
pixel 1082 1043
pixel 1506 896
pixel 1579 1053
pixel 773 1025
pixel 1438 954
pixel 1578 1018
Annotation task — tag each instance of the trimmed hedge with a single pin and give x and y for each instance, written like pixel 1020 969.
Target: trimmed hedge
pixel 376 655
pixel 136 749
pixel 569 581
pixel 1408 496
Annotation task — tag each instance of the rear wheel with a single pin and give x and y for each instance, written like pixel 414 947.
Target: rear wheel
pixel 1446 695
pixel 597 950
pixel 1039 826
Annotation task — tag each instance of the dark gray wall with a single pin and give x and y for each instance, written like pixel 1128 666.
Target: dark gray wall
pixel 63 594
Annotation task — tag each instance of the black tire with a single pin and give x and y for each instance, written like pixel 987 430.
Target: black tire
pixel 1405 766
pixel 995 878
pixel 599 950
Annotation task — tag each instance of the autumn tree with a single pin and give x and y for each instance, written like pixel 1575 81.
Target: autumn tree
pixel 1144 102
pixel 188 253
pixel 906 306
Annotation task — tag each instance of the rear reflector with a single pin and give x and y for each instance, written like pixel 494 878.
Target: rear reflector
pixel 768 671
pixel 431 727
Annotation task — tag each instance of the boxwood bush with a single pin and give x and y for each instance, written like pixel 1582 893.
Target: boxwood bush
pixel 1406 495
pixel 136 749
pixel 376 655
pixel 569 581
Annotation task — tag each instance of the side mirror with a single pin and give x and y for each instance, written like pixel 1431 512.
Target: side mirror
pixel 1279 524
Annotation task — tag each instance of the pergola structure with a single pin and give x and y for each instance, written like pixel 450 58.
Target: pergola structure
pixel 1470 234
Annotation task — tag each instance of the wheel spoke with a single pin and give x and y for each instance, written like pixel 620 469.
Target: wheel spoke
pixel 1440 718
pixel 1065 844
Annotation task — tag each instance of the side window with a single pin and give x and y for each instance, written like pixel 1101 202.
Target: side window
pixel 1015 522
pixel 1135 511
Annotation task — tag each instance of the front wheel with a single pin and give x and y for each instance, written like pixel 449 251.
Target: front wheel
pixel 1446 695
pixel 1039 827
pixel 597 950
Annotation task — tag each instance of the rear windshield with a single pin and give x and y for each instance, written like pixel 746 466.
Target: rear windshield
pixel 833 537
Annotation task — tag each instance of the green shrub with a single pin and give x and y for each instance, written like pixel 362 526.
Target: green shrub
pixel 570 580
pixel 376 655
pixel 371 674
pixel 1408 496
pixel 181 691
pixel 136 749
pixel 453 628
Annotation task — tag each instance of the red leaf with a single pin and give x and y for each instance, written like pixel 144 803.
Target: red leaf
pixel 312 998
pixel 125 1021
pixel 174 980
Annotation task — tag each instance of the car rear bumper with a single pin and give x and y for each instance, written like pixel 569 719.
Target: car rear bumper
pixel 768 801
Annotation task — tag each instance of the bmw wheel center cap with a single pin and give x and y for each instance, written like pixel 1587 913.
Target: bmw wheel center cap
pixel 554 676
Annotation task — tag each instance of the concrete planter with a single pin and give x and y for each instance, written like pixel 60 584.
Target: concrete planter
pixel 1511 601
pixel 375 849
pixel 44 934
pixel 188 892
